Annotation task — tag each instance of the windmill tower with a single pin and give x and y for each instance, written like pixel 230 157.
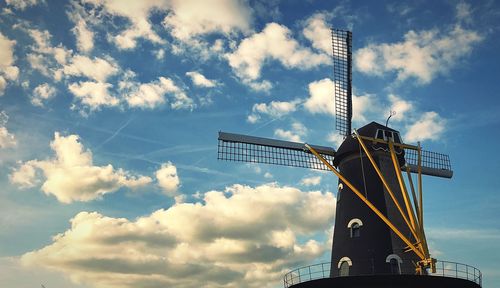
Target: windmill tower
pixel 378 237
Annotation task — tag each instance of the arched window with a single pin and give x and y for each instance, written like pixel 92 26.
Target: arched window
pixel 355 227
pixel 341 186
pixel 344 264
pixel 355 230
pixel 395 263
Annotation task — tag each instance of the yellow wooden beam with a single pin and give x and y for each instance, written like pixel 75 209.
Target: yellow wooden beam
pixel 386 185
pixel 368 203
pixel 417 208
pixel 402 185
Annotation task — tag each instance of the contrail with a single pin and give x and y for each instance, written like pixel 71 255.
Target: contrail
pixel 115 133
pixel 263 125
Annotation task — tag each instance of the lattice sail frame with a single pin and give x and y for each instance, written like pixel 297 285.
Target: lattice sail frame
pixel 244 148
pixel 342 76
pixel 433 163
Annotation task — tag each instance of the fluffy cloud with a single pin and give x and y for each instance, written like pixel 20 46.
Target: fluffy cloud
pixel 335 138
pixel 422 55
pixel 429 126
pixel 321 97
pixel 43 48
pixel 93 94
pixel 84 37
pixel 71 176
pixel 274 109
pixel 7 70
pixel 52 61
pixel 242 237
pixel 151 95
pixel 322 100
pixel 191 18
pixel 21 4
pixel 200 80
pixel 167 179
pixel 82 17
pixel 42 93
pixel 318 32
pixel 400 106
pixel 295 134
pixel 6 138
pixel 97 69
pixel 272 43
pixel 311 181
pixel 137 12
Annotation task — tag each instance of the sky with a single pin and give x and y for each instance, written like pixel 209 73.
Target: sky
pixel 110 109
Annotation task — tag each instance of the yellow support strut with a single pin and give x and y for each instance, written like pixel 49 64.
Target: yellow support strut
pixel 368 203
pixel 404 192
pixel 384 182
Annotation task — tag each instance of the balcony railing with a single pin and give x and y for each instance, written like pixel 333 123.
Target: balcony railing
pixel 443 269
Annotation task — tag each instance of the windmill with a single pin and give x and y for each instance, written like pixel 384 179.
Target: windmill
pixel 379 221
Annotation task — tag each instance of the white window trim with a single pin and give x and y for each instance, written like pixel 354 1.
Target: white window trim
pixel 344 259
pixel 393 256
pixel 355 220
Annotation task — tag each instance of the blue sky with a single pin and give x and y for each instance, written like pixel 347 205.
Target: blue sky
pixel 109 113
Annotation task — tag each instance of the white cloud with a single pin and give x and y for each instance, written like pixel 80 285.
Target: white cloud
pixel 429 127
pixel 191 18
pixel 7 70
pixel 274 109
pixel 200 80
pixel 159 54
pixel 321 97
pixel 464 13
pixel 298 130
pixel 7 139
pixel 43 46
pixel 93 94
pixel 400 106
pixel 322 101
pixel 21 4
pixel 42 93
pixel 335 138
pixel 137 12
pixel 97 69
pixel 422 55
pixel 287 135
pixel 44 57
pixel 272 43
pixel 222 241
pixel 84 36
pixel 167 179
pixel 311 181
pixel 71 176
pixel 318 32
pixel 82 16
pixel 151 95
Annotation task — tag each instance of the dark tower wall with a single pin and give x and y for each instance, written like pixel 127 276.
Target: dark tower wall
pixel 368 252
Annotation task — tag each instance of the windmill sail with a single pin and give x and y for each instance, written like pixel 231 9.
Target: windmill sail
pixel 244 148
pixel 342 76
pixel 433 164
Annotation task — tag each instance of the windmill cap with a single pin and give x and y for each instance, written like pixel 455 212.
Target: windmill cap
pixel 351 145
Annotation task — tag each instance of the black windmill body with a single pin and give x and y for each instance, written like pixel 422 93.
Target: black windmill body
pixel 378 233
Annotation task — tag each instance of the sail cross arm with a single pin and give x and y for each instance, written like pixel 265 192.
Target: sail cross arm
pixel 245 148
pixel 432 163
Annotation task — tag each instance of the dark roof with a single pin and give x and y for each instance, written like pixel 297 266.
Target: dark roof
pixel 351 145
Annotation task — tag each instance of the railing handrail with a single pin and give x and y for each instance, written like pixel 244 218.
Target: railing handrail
pixel 443 269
